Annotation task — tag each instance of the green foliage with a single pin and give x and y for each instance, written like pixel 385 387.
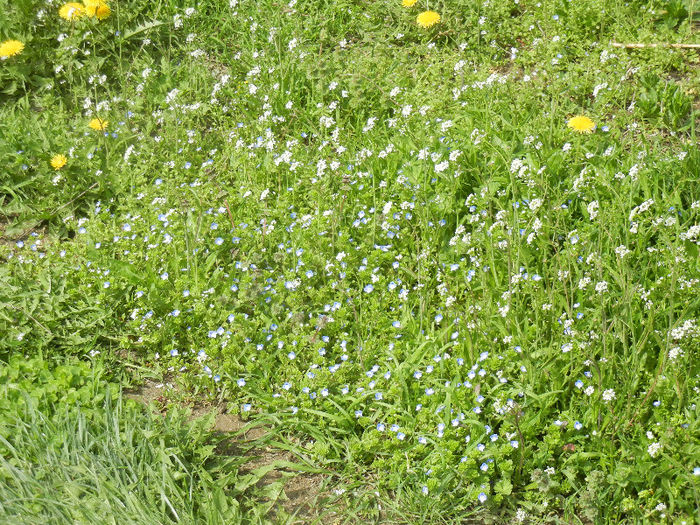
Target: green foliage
pixel 381 241
pixel 30 384
pixel 72 450
pixel 665 102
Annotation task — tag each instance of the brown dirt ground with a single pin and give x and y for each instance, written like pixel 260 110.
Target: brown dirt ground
pixel 305 494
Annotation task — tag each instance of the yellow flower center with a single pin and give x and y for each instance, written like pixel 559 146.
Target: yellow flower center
pixel 10 48
pixel 428 19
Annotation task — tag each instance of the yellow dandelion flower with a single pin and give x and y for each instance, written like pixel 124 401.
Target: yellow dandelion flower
pixel 97 8
pixel 103 12
pixel 10 48
pixel 581 124
pixel 428 19
pixel 408 3
pixel 58 161
pixel 98 124
pixel 71 11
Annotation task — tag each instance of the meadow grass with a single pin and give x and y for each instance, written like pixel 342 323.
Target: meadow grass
pixel 393 246
pixel 75 451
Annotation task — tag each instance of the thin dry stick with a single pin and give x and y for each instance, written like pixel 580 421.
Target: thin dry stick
pixel 25 232
pixel 76 198
pixel 30 316
pixel 642 46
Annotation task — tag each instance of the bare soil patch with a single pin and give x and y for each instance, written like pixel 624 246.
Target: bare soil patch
pixel 304 494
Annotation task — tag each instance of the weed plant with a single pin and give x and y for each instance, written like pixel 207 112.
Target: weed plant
pixel 382 240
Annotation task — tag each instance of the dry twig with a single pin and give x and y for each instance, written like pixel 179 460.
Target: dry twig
pixel 663 44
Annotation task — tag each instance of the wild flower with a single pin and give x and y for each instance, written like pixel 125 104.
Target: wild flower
pixel 58 161
pixel 97 8
pixel 72 11
pixel 581 124
pixel 428 19
pixel 10 48
pixel 98 124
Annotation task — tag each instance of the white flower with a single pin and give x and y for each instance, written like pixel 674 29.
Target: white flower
pixel 442 166
pixel 369 125
pixel 692 234
pixel 535 204
pixel 622 250
pixel 608 395
pixel 642 207
pixel 593 209
pixel 654 449
pixel 675 352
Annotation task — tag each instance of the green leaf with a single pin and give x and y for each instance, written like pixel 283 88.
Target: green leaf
pixel 504 487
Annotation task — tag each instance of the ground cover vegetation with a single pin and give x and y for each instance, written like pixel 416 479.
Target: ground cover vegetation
pixel 445 252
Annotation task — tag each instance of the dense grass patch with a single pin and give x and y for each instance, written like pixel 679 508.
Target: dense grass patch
pixel 73 450
pixel 390 244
